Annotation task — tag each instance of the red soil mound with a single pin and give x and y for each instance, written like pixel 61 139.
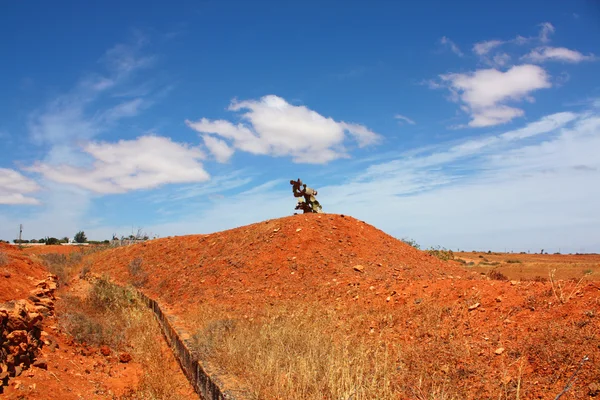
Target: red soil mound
pixel 292 256
pixel 18 273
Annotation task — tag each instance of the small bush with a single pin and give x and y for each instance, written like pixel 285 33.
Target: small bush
pixel 460 260
pixel 493 263
pixel 441 253
pixel 497 275
pixel 514 262
pixel 3 259
pixel 139 277
pixel 412 243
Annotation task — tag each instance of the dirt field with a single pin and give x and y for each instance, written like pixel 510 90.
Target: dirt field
pixel 535 266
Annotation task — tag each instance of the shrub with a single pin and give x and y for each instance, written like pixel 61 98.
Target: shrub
pixel 139 277
pixel 497 275
pixel 441 253
pixel 514 261
pixel 412 243
pixel 3 258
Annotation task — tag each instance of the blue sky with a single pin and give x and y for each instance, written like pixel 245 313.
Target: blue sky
pixel 467 124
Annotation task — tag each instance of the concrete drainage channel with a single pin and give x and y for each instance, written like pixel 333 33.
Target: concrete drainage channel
pixel 206 384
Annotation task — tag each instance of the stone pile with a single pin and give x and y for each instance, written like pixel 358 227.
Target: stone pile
pixel 21 329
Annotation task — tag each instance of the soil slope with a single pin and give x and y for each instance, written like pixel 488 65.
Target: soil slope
pixel 18 273
pixel 293 257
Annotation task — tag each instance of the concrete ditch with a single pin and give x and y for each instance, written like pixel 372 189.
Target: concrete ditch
pixel 208 384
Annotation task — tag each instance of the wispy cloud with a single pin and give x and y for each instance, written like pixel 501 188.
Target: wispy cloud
pixel 79 114
pixel 275 127
pixel 451 45
pixel 543 54
pixel 401 118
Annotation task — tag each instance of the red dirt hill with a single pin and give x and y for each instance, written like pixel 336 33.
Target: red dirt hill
pixel 281 257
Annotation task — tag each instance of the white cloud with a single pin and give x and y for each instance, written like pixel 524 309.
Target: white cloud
pixel 484 92
pixel 543 54
pixel 453 47
pixel 15 187
pixel 405 119
pixel 546 29
pixel 482 48
pixel 218 148
pixel 274 127
pixel 144 163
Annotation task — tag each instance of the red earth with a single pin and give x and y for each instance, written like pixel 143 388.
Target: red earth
pixel 365 275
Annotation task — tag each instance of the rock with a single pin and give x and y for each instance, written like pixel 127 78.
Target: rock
pixel 359 268
pixel 298 230
pixel 17 337
pixel 41 363
pixel 105 350
pixel 474 306
pixel 124 357
pixel 593 389
pixel 418 301
pixel 499 350
pixel 6 274
pixel 18 370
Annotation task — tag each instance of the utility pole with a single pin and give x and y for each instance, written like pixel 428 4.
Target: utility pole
pixel 20 234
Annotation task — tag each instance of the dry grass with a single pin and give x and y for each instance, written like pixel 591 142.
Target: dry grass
pixel 294 354
pixel 564 291
pixel 139 277
pixel 62 265
pixel 3 259
pixel 115 316
pixel 414 351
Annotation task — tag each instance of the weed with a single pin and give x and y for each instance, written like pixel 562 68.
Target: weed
pixel 441 253
pixel 564 291
pixel 514 262
pixel 460 260
pixel 588 272
pixel 3 259
pixel 139 277
pixel 412 242
pixel 493 263
pixel 85 270
pixel 61 266
pixel 496 275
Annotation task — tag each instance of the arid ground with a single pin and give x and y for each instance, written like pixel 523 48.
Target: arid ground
pixel 316 307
